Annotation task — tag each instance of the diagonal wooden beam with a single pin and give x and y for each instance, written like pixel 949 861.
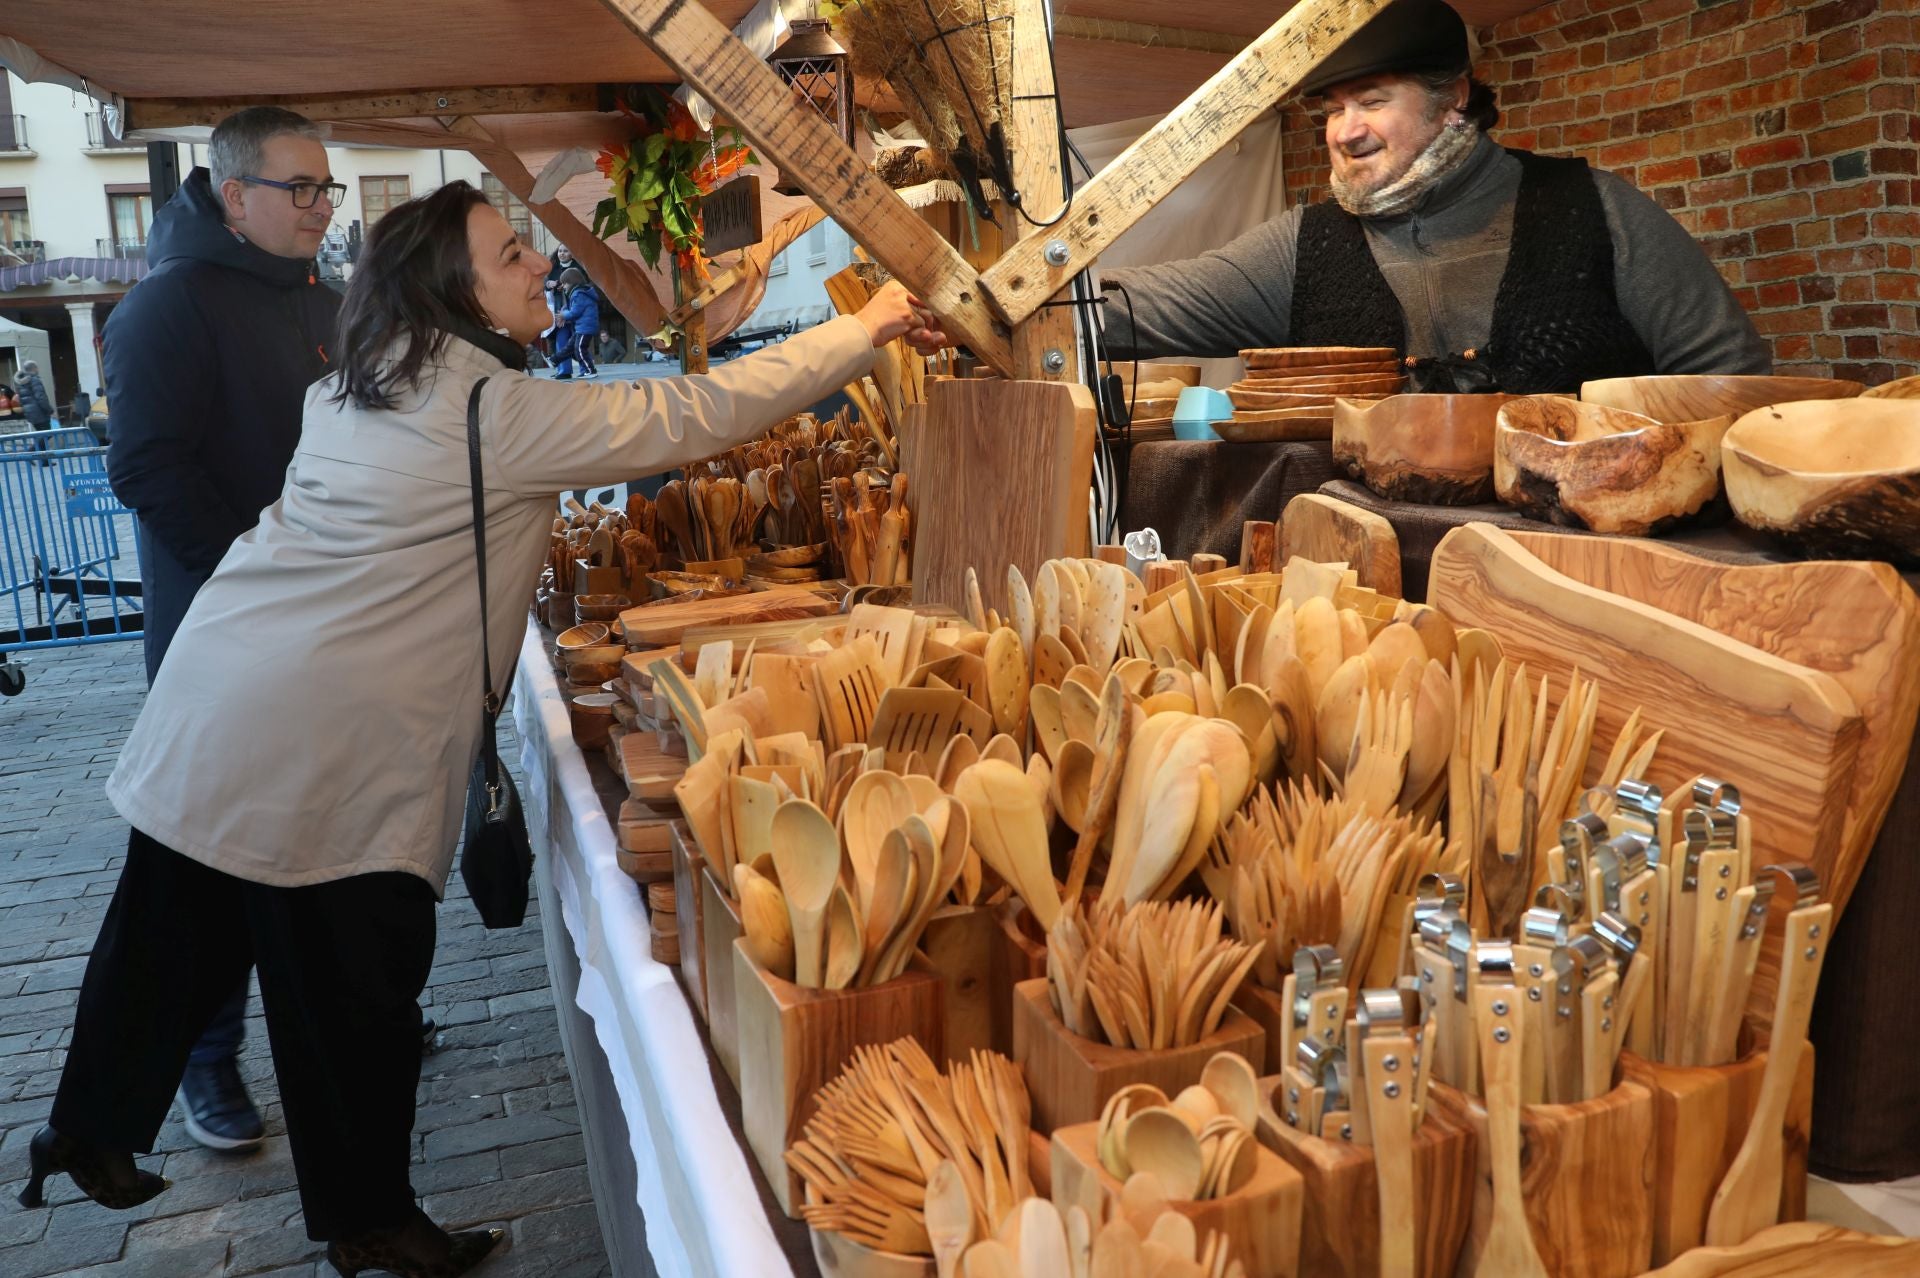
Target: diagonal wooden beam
pixel 173 113
pixel 1168 153
pixel 723 70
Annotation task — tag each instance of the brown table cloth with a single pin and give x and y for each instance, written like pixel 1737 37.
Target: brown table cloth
pixel 1866 1020
pixel 1196 495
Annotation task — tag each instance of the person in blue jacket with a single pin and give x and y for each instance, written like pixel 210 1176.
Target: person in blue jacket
pixel 580 320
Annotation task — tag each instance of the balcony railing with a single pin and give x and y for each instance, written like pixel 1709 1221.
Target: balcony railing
pixel 13 133
pixel 26 251
pixel 100 136
pixel 121 248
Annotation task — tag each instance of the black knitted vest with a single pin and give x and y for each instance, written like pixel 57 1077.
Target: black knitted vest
pixel 1556 321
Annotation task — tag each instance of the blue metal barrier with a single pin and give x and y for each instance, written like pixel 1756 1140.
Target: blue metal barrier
pixel 69 551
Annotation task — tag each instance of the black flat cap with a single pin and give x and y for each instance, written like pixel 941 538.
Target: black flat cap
pixel 1407 35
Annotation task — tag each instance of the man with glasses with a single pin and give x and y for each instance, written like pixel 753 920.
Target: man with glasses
pixel 208 360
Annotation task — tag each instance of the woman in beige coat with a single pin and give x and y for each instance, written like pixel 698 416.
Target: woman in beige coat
pixel 295 780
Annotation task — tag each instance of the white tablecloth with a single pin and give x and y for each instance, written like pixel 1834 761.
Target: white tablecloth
pixel 701 1206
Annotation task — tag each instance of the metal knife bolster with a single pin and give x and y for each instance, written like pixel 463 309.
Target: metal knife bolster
pixel 1637 806
pixel 1804 880
pixel 1315 968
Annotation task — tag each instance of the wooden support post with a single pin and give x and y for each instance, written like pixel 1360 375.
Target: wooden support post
pixel 723 70
pixel 693 330
pixel 1043 347
pixel 1187 137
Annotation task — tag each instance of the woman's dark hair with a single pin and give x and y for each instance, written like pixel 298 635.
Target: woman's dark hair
pixel 413 285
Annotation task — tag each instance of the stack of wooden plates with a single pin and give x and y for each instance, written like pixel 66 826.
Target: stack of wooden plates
pixel 1288 391
pixel 663 922
pixel 789 564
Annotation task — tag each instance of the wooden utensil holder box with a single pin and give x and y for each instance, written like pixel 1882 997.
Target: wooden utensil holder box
pixel 961 944
pixel 719 929
pixel 1586 1176
pixel 1269 1011
pixel 689 902
pixel 794 1041
pixel 1700 1119
pixel 1021 956
pixel 1260 1221
pixel 1071 1077
pixel 1340 1228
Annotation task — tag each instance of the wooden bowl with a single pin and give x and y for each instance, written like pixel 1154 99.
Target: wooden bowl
pixel 591 714
pixel 599 655
pixel 1434 450
pixel 1902 388
pixel 1372 368
pixel 1603 469
pixel 790 556
pixel 591 608
pixel 1696 397
pixel 592 674
pixel 585 636
pixel 1838 479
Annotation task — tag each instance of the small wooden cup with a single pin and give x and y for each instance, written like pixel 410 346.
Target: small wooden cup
pixel 689 900
pixel 1586 1174
pixel 1700 1120
pixel 720 927
pixel 1070 1077
pixel 961 943
pixel 591 715
pixel 1340 1229
pixel 1260 1221
pixel 794 1041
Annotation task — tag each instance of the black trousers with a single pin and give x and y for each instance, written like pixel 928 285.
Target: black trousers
pixel 341 967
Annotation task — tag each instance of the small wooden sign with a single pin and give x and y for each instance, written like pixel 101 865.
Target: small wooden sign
pixel 731 216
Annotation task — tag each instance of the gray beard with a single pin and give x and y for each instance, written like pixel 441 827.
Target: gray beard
pixel 1441 157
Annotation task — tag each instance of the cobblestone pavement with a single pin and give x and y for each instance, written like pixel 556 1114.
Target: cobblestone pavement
pixel 497 1139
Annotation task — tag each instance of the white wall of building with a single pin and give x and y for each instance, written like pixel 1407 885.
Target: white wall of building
pixel 66 183
pixel 797 284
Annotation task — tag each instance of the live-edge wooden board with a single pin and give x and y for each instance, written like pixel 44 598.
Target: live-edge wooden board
pixel 1328 530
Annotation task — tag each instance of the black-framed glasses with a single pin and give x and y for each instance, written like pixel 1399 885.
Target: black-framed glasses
pixel 305 193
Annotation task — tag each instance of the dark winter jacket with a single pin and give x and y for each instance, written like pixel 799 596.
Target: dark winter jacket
pixel 34 400
pixel 582 315
pixel 207 361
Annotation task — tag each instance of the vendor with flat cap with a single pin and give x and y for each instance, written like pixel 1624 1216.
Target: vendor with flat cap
pixel 1439 243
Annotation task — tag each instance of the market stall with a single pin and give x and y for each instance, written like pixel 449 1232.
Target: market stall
pixel 934 874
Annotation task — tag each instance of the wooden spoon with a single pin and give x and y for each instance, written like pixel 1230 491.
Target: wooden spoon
pixel 949 1217
pixel 1079 711
pixel 1111 737
pixel 767 928
pixel 1247 708
pixel 1161 1144
pixel 1043 1238
pixel 990 1258
pixel 876 803
pixel 1009 831
pixel 1231 1081
pixel 894 890
pixel 671 506
pixel 806 850
pixel 846 944
pixel 1072 779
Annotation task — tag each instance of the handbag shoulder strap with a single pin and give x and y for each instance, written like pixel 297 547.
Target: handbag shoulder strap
pixel 489 701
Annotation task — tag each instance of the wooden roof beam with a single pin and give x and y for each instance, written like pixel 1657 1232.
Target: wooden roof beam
pixel 713 60
pixel 174 113
pixel 1167 154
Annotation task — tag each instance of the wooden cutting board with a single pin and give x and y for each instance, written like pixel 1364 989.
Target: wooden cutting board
pixel 1801 1250
pixel 1000 475
pixel 660 625
pixel 1856 621
pixel 1788 736
pixel 1330 531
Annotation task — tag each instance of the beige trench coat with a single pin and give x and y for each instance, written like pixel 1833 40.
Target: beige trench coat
pixel 319 710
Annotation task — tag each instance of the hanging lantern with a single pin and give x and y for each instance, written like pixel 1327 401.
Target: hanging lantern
pixel 815 64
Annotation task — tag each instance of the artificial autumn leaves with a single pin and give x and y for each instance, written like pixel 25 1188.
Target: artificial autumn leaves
pixel 659 178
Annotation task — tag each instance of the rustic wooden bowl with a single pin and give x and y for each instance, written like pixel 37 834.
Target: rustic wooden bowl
pixel 1604 469
pixel 1435 450
pixel 1841 480
pixel 591 714
pixel 592 673
pixel 1903 388
pixel 591 608
pixel 1696 397
pixel 601 654
pixel 581 636
pixel 1371 368
pixel 790 557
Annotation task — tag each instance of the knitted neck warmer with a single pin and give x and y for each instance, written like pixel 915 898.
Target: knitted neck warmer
pixel 1442 155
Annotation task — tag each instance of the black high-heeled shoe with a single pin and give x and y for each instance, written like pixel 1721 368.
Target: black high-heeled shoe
pixel 417 1249
pixel 110 1179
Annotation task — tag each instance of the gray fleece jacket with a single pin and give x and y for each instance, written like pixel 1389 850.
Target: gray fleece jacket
pixel 1443 260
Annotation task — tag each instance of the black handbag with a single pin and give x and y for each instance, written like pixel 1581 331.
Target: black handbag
pixel 496 862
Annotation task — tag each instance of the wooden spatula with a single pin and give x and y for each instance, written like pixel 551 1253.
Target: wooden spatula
pixel 849 683
pixel 1009 830
pixel 924 720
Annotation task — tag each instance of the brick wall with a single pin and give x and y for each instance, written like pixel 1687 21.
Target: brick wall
pixel 1783 134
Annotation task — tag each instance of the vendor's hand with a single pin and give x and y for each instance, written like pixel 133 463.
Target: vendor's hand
pixel 893 312
pixel 926 336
